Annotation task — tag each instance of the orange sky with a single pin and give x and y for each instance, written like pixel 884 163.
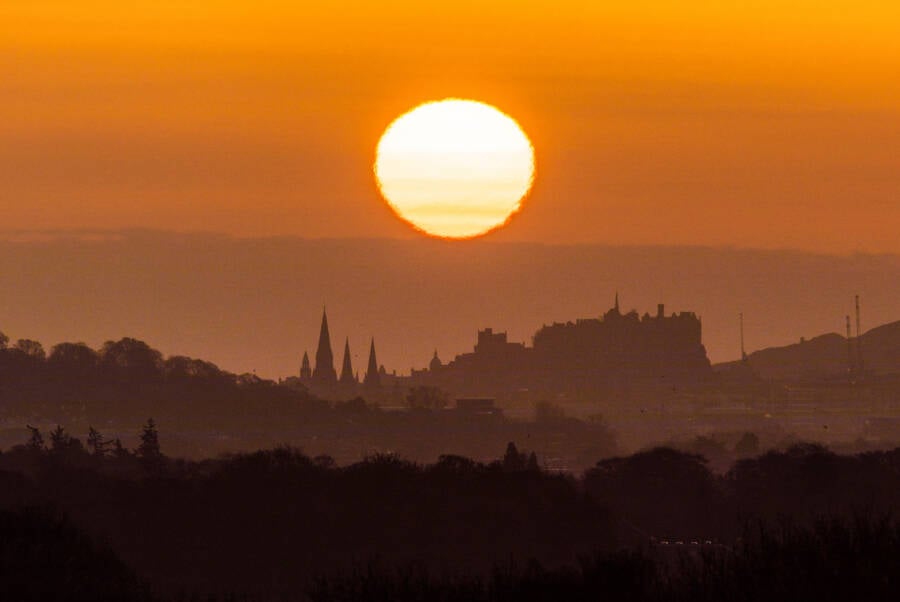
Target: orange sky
pixel 654 122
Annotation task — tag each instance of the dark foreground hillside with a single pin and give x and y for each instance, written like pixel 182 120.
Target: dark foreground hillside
pixel 277 525
pixel 44 557
pixel 830 560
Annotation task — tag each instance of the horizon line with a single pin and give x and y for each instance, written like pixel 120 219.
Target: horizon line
pixel 105 235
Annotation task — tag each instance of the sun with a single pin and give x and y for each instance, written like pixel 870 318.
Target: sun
pixel 454 168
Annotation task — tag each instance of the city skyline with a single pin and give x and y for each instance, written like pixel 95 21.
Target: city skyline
pixel 256 306
pixel 455 300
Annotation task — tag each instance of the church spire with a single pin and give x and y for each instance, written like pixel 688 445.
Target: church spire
pixel 347 368
pixel 305 372
pixel 617 303
pixel 324 370
pixel 373 379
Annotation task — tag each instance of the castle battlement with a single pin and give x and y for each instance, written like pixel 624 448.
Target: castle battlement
pixel 590 355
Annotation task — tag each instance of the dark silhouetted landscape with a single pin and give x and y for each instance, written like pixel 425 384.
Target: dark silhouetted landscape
pixel 449 301
pixel 611 460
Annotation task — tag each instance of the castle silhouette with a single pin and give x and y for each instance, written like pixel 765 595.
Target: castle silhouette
pixel 621 355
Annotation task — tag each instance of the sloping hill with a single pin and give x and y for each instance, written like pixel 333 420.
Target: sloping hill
pixel 881 349
pixel 826 356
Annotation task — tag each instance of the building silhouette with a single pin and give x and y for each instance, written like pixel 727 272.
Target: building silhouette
pixel 347 377
pixel 324 373
pixel 324 381
pixel 615 355
pixel 623 356
pixel 373 376
pixel 305 371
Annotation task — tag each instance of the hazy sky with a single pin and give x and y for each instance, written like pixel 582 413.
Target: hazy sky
pixel 683 122
pixel 256 303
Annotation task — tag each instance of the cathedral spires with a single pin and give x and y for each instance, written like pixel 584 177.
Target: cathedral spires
pixel 347 368
pixel 324 370
pixel 305 372
pixel 373 379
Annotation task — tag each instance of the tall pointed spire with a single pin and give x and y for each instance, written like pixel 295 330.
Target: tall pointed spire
pixel 347 368
pixel 373 379
pixel 617 303
pixel 305 372
pixel 324 370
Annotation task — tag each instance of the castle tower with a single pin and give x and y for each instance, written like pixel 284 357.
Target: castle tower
pixel 373 379
pixel 324 370
pixel 347 368
pixel 305 371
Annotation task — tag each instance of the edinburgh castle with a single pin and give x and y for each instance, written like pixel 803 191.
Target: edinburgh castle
pixel 616 356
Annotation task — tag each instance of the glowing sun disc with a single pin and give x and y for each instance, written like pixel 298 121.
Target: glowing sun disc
pixel 454 168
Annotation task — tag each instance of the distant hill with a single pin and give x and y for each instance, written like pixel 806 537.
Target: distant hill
pixel 256 304
pixel 826 356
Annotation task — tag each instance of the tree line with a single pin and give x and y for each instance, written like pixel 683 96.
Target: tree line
pixel 127 379
pixel 268 523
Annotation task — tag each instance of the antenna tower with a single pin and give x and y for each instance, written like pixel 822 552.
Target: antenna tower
pixel 859 355
pixel 743 353
pixel 850 375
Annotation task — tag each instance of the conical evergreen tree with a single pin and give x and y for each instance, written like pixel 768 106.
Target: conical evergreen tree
pixel 149 451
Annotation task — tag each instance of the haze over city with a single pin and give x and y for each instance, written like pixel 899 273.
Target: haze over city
pixel 457 300
pixel 255 304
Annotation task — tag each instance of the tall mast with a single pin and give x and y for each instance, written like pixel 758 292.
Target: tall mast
pixel 743 353
pixel 850 367
pixel 859 354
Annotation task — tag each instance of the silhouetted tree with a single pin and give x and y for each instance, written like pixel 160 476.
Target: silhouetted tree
pixel 59 438
pixel 149 447
pixel 747 445
pixel 532 464
pixel 4 341
pixel 96 443
pixel 513 461
pixel 132 361
pixel 119 450
pixel 36 441
pixel 32 349
pixel 63 445
pixel 455 464
pixel 45 557
pixel 248 379
pixel 179 368
pixel 72 361
pixel 149 451
pixel 709 447
pixel 427 398
pixel 324 461
pixel 662 491
pixel 356 405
